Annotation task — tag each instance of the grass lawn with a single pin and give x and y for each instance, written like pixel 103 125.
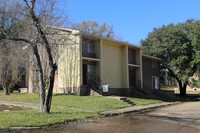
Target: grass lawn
pixel 171 88
pixel 143 101
pixel 92 103
pixel 31 118
pixel 168 88
pixel 95 104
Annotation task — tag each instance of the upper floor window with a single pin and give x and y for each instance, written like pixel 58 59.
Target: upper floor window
pixel 154 64
pixel 91 46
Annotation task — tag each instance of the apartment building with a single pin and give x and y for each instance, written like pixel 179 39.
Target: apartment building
pixel 118 64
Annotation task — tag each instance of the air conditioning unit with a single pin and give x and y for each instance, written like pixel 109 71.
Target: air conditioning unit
pixel 105 88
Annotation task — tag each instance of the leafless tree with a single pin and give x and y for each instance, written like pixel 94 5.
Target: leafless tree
pixel 11 55
pixel 94 28
pixel 34 27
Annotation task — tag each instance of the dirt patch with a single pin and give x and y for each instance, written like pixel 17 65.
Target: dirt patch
pixel 12 108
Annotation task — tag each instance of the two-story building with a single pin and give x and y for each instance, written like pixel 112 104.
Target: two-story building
pixel 118 64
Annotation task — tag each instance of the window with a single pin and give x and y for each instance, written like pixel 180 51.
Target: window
pixel 154 64
pixel 91 46
pixel 91 71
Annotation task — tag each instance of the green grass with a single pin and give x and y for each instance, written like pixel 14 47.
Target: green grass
pixel 34 98
pixel 92 103
pixel 90 107
pixel 31 118
pixel 168 88
pixel 143 101
pixel 193 92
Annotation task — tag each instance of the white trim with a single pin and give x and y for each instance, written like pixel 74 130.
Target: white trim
pixel 91 59
pixel 134 65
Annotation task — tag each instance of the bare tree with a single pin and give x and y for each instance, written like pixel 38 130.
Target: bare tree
pixel 11 56
pixel 33 26
pixel 94 28
pixel 10 53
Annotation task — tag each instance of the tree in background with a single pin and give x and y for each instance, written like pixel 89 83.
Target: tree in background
pixel 179 47
pixel 11 54
pixel 94 28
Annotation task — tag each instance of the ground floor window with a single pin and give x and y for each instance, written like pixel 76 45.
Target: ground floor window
pixel 155 82
pixel 91 71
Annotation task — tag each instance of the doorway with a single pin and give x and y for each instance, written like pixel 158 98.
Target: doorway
pixel 155 83
pixel 132 78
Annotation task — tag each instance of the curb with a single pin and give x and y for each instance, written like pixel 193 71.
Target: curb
pixel 142 110
pixel 24 128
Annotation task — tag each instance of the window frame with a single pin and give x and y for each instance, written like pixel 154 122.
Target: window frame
pixel 154 87
pixel 91 46
pixel 91 71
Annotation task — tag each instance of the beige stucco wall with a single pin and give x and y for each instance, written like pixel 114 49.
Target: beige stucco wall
pixel 113 60
pixel 125 69
pixel 69 65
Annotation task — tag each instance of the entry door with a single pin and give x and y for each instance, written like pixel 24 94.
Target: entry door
pixel 131 78
pixel 155 83
pixel 84 74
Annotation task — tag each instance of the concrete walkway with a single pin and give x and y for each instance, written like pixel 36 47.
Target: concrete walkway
pixel 21 104
pixel 137 108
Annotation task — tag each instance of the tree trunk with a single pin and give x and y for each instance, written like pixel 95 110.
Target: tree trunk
pixel 47 106
pixel 53 67
pixel 5 89
pixel 40 76
pixel 182 88
pixel 183 91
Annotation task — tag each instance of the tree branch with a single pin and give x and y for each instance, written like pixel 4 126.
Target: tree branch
pixel 27 3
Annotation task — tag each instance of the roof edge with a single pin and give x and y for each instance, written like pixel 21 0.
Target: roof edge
pixel 152 57
pixel 77 32
pixel 129 44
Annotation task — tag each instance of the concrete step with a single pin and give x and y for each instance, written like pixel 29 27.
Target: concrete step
pixel 127 101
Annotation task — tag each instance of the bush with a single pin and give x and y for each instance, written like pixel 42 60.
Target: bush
pixel 12 86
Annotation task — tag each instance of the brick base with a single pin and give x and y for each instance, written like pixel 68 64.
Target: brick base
pixel 121 91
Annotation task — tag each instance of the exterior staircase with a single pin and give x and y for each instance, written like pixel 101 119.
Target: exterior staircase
pixel 93 83
pixel 127 101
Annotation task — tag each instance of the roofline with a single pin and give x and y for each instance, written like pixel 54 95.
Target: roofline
pixel 77 32
pixel 108 39
pixel 152 57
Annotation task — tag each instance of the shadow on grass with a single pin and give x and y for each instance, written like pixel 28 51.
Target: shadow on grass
pixel 170 98
pixel 166 96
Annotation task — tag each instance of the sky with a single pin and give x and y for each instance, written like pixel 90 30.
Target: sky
pixel 132 19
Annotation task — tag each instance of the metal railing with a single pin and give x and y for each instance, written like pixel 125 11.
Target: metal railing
pixel 94 83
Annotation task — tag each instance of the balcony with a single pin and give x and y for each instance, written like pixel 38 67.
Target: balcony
pixel 133 57
pixel 90 48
